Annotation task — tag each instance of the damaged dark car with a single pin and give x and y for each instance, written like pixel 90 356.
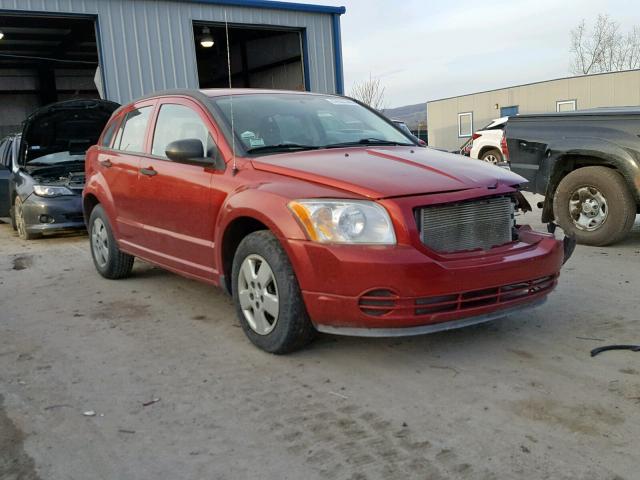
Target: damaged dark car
pixel 47 169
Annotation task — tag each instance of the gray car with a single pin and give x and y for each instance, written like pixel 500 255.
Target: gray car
pixel 46 164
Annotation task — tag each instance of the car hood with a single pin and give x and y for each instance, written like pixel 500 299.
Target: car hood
pixel 388 171
pixel 71 126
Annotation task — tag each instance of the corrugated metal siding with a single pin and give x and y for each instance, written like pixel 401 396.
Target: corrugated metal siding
pixel 148 45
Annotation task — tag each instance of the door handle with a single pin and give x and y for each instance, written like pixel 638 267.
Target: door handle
pixel 106 163
pixel 150 172
pixel 523 144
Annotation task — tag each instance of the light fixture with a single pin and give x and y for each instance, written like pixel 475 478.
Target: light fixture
pixel 1 35
pixel 206 40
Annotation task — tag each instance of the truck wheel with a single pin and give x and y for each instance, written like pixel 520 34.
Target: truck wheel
pixel 267 297
pixel 492 156
pixel 21 224
pixel 110 262
pixel 595 205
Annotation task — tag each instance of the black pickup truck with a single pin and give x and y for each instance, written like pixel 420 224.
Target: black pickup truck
pixel 587 165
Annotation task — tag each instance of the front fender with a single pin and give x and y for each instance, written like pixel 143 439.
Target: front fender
pixel 607 153
pixel 268 207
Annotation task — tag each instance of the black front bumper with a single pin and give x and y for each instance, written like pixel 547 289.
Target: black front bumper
pixel 42 214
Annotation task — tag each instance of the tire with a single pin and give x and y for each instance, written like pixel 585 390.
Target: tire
pixel 12 217
pixel 290 329
pixel 110 262
pixel 492 156
pixel 603 188
pixel 21 225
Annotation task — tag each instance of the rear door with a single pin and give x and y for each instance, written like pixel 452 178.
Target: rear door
pixel 175 198
pixel 118 159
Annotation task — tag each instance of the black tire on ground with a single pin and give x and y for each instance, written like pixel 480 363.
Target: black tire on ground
pixel 19 221
pixel 620 203
pixel 490 154
pixel 293 329
pixel 118 264
pixel 12 217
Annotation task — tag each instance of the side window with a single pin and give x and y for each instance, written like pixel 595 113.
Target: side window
pixel 465 124
pixel 178 122
pixel 130 137
pixel 108 134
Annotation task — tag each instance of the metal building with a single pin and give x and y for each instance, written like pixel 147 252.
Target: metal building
pixel 53 50
pixel 451 121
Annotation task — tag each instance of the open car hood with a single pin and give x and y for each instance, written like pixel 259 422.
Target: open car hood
pixel 384 172
pixel 70 126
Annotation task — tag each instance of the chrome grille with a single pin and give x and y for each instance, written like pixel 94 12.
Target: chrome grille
pixel 470 225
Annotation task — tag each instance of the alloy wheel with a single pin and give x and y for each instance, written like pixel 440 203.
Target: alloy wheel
pixel 588 208
pixel 20 223
pixel 258 294
pixel 491 158
pixel 100 242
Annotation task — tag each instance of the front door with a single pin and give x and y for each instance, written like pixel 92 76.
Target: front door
pixel 175 198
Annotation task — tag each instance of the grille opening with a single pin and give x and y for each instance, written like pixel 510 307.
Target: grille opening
pixel 471 225
pixel 377 302
pixel 481 298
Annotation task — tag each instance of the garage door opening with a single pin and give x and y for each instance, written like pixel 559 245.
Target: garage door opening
pixel 260 57
pixel 44 60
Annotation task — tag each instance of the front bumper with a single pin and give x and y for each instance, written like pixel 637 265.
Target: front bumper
pixel 359 289
pixel 42 214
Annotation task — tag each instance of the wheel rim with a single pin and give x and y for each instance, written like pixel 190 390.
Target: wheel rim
pixel 258 294
pixel 20 224
pixel 100 242
pixel 491 158
pixel 588 208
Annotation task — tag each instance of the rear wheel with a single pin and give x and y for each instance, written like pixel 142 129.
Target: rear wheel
pixel 20 223
pixel 595 205
pixel 267 297
pixel 108 259
pixel 492 156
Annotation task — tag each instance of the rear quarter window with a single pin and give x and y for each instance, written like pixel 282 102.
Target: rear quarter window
pixel 130 137
pixel 109 133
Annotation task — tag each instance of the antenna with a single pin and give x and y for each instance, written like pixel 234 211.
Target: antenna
pixel 234 168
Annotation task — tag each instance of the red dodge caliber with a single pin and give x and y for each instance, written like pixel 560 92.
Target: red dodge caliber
pixel 315 212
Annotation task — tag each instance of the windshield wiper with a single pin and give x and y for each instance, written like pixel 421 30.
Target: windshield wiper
pixel 282 147
pixel 368 141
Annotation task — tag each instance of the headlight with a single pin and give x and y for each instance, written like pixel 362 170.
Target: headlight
pixel 344 221
pixel 51 191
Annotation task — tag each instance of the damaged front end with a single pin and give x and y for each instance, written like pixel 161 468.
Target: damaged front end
pixel 568 241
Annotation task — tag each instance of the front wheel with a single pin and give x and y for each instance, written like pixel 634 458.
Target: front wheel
pixel 595 205
pixel 20 222
pixel 108 259
pixel 267 297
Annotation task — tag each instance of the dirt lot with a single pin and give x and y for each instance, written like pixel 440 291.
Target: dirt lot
pixel 517 398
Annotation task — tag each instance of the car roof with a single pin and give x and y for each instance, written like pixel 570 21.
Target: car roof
pixel 204 95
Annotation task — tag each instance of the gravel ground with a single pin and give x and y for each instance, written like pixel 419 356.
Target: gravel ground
pixel 179 393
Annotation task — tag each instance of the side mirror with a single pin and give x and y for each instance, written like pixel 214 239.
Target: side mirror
pixel 191 150
pixel 184 150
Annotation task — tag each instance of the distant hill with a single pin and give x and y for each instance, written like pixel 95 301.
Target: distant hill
pixel 409 114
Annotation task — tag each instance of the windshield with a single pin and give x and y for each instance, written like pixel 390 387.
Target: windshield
pixel 267 122
pixel 57 158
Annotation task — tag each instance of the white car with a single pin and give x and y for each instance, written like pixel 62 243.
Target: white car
pixel 487 142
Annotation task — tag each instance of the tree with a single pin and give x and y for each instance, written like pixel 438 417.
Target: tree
pixel 370 92
pixel 604 48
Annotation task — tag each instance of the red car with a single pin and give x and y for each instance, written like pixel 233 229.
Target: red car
pixel 315 213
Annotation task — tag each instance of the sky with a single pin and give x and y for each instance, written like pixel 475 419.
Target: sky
pixel 425 50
